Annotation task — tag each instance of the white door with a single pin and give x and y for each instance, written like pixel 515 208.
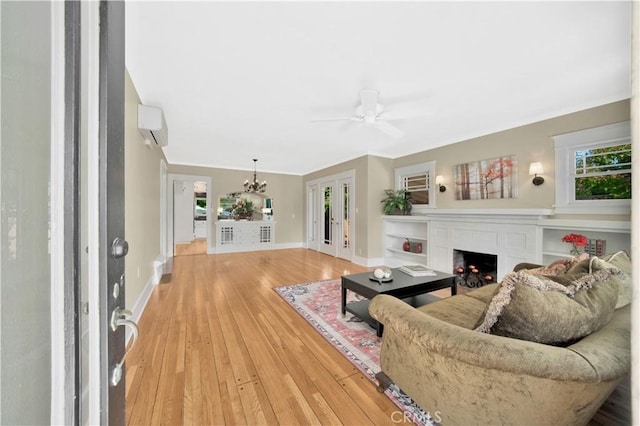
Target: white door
pixel 335 218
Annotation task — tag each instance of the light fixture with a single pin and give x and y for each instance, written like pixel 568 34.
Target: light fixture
pixel 255 186
pixel 439 180
pixel 535 169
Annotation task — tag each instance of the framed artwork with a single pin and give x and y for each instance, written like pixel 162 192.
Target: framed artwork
pixel 487 179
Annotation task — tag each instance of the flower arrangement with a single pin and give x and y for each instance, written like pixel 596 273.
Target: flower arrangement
pixel 576 241
pixel 242 209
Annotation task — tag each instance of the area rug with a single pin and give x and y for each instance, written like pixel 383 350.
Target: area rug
pixel 319 303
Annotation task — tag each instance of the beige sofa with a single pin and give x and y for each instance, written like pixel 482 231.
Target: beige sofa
pixel 468 377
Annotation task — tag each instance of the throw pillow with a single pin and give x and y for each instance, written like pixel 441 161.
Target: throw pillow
pixel 559 266
pixel 619 261
pixel 552 310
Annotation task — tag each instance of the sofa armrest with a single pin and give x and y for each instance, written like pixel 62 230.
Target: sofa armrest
pixel 408 326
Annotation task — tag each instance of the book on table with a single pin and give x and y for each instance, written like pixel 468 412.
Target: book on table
pixel 417 271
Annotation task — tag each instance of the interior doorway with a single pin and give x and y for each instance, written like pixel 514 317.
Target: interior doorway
pixel 191 214
pixel 190 217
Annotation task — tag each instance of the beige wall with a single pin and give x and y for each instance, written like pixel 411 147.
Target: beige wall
pixel 142 200
pixel 529 143
pixel 285 190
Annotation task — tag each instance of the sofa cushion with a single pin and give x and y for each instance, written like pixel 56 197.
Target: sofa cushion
pixel 554 310
pixel 460 310
pixel 619 261
pixel 484 293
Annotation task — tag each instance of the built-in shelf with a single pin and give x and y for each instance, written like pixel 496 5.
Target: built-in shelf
pixel 408 237
pixel 617 235
pixel 408 253
pixel 399 229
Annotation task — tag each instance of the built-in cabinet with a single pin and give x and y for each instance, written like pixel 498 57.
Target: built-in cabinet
pixel 514 236
pixel 245 235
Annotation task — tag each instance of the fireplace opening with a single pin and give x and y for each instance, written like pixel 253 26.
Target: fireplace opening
pixel 473 269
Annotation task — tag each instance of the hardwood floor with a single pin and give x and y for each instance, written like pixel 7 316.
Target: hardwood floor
pixel 218 346
pixel 198 246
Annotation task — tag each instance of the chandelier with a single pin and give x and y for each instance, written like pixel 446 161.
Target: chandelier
pixel 255 186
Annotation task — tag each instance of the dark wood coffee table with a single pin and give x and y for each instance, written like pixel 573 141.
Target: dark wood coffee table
pixel 410 289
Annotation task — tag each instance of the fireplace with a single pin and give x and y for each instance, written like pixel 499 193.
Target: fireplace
pixel 474 269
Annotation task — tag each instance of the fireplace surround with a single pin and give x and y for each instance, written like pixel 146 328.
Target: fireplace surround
pixel 510 235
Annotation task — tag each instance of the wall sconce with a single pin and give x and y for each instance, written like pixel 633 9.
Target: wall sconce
pixel 535 169
pixel 439 180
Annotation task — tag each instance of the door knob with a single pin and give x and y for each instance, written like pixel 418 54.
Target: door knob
pixel 119 248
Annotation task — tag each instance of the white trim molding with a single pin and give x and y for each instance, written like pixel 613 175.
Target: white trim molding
pixel 565 146
pixel 428 168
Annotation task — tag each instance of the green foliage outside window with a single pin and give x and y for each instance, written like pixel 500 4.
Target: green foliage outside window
pixel 603 173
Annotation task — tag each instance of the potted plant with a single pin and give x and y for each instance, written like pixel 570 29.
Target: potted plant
pixel 397 202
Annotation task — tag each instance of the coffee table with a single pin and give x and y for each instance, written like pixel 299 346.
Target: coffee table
pixel 410 289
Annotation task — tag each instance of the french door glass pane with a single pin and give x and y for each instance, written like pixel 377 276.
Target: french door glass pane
pixel 346 240
pixel 328 215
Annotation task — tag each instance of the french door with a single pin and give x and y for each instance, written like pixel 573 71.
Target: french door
pixel 330 216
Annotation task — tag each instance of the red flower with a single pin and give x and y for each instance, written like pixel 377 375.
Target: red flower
pixel 575 239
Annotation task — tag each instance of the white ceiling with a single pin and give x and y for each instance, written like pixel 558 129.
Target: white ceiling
pixel 242 80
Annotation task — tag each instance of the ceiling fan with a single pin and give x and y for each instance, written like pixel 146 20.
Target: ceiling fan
pixel 372 113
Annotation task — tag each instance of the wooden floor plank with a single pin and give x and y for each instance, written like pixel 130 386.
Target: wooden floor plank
pixel 219 346
pixel 256 405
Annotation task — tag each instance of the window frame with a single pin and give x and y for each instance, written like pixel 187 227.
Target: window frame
pixel 566 146
pixel 427 168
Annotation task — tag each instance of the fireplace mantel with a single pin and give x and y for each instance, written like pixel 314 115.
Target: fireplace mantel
pixel 490 215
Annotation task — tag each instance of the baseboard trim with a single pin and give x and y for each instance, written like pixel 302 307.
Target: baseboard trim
pixel 368 262
pixel 238 249
pixel 138 308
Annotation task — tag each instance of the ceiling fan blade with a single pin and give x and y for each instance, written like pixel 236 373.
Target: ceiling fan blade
pixel 389 129
pixel 407 114
pixel 316 120
pixel 369 102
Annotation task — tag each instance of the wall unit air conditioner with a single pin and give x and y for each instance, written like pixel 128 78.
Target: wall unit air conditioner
pixel 152 125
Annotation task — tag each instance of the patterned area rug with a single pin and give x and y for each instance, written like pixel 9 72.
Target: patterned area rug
pixel 319 303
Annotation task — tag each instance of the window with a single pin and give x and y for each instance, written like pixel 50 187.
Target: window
pixel 418 180
pixel 593 170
